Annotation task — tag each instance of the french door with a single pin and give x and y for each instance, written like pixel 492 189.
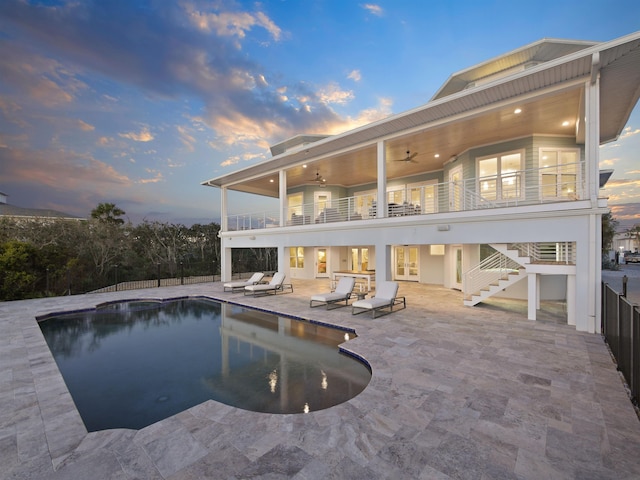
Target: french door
pixel 406 263
pixel 322 255
pixel 456 191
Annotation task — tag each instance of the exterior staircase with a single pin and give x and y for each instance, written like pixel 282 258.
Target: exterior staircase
pixel 495 273
pixel 510 264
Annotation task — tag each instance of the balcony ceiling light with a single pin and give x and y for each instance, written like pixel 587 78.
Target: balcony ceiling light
pixel 517 111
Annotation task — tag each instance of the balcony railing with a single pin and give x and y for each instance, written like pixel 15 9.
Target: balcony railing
pixel 525 187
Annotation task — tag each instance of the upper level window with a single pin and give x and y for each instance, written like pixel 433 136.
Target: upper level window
pixel 559 173
pixel 500 176
pixel 294 203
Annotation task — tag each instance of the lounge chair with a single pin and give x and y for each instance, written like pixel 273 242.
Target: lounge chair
pixel 343 292
pixel 239 285
pixel 386 297
pixel 276 285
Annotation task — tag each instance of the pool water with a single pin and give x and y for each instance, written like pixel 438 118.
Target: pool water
pixel 131 364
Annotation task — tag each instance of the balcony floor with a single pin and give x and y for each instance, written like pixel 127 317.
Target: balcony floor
pixel 456 392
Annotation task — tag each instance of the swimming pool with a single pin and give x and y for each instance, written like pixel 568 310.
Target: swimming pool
pixel 130 364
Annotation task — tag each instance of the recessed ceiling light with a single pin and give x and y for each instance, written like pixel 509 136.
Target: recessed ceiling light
pixel 437 155
pixel 566 123
pixel 271 180
pixel 517 111
pixel 304 166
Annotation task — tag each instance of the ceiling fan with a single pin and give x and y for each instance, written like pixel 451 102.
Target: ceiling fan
pixel 409 158
pixel 320 179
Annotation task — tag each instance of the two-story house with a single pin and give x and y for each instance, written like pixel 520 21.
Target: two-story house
pixel 492 185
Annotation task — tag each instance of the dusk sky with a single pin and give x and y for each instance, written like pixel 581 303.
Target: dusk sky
pixel 138 102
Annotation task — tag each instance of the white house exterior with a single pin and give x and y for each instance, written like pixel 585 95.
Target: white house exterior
pixel 504 155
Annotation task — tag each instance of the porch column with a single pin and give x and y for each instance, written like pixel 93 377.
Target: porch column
pixel 224 221
pixel 382 183
pixel 592 132
pixel 282 185
pixel 225 261
pixel 283 260
pixel 383 262
pixel 592 181
pixel 532 295
pixel 571 300
pixel 595 273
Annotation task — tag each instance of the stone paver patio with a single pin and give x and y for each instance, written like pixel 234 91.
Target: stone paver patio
pixel 456 392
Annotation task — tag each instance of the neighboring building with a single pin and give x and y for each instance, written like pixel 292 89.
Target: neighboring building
pixel 505 155
pixel 15 212
pixel 627 241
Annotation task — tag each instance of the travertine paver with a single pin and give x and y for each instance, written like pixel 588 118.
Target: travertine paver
pixel 456 392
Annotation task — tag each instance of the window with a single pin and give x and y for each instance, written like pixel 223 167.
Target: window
pixel 294 203
pixel 395 196
pixel 423 197
pixel 500 176
pixel 364 202
pixel 296 257
pixel 559 173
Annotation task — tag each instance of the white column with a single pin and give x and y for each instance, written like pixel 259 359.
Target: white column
pixel 592 171
pixel 283 261
pixel 381 208
pixel 383 261
pixel 225 258
pixel 224 221
pixel 532 295
pixel 282 185
pixel 592 133
pixel 571 300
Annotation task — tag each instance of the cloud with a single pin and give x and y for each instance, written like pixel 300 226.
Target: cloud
pixel 373 9
pixel 60 179
pixel 202 60
pixel 143 135
pixel 355 75
pixel 627 214
pixel 629 132
pixel 332 93
pixel 155 179
pixel 232 24
pixel 85 126
pixel 186 138
pixel 36 78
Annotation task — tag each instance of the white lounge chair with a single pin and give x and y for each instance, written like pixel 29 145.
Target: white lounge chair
pixel 343 292
pixel 240 284
pixel 385 297
pixel 276 285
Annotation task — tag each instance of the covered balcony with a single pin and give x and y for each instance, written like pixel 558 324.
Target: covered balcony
pixel 550 184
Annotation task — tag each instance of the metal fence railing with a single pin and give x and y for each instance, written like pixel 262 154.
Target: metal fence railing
pixel 559 183
pixel 621 330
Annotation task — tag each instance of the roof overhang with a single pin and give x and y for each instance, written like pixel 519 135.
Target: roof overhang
pixel 556 86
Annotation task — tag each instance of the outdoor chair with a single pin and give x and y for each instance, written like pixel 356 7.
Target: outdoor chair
pixel 342 292
pixel 240 284
pixel 275 286
pixel 385 298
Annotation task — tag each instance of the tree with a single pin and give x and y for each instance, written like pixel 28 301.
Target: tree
pixel 609 225
pixel 18 264
pixel 108 213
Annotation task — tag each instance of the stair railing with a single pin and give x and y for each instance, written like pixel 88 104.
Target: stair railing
pixel 492 269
